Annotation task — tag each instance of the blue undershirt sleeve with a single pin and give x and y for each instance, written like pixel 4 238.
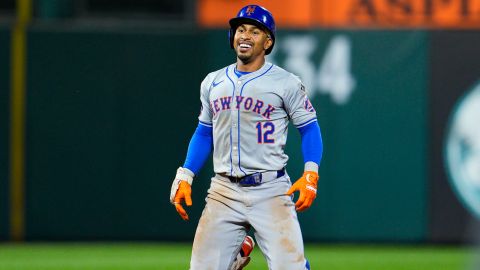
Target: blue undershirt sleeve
pixel 312 145
pixel 199 148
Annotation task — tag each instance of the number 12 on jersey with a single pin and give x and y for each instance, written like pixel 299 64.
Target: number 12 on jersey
pixel 264 132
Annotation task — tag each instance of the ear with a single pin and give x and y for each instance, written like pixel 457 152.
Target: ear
pixel 268 43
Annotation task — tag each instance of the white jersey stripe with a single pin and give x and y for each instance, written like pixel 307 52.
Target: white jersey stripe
pixel 205 124
pixel 307 123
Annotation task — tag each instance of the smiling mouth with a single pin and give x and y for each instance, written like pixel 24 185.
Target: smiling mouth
pixel 244 47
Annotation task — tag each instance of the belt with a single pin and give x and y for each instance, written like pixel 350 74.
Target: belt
pixel 256 178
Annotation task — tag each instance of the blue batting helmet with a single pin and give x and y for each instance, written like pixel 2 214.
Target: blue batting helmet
pixel 257 15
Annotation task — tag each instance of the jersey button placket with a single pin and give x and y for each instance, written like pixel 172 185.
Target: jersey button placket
pixel 234 128
pixel 236 120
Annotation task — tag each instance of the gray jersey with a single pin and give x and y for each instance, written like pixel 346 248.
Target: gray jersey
pixel 250 117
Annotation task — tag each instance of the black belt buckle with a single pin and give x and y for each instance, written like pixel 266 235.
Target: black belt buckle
pixel 249 180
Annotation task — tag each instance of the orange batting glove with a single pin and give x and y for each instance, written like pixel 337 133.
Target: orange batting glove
pixel 181 191
pixel 307 185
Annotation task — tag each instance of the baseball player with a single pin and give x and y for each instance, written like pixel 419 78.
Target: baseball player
pixel 246 108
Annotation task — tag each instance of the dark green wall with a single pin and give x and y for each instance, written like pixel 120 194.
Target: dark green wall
pixel 375 158
pixel 109 120
pixel 4 128
pixel 110 114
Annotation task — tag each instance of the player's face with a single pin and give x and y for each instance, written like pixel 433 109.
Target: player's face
pixel 250 42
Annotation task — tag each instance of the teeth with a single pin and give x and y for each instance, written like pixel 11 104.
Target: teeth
pixel 245 45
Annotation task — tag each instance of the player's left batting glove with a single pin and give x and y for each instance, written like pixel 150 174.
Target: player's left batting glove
pixel 181 191
pixel 307 185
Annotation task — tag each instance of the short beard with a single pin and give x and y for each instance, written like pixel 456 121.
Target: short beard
pixel 244 58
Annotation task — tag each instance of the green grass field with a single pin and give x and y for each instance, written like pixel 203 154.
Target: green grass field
pixel 165 256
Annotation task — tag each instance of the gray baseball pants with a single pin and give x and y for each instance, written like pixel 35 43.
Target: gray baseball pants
pixel 229 213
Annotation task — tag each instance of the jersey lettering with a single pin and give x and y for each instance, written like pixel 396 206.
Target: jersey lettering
pixel 248 103
pixel 268 111
pixel 223 104
pixel 258 106
pixel 215 106
pixel 239 101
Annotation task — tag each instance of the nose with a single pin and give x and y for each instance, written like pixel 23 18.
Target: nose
pixel 245 35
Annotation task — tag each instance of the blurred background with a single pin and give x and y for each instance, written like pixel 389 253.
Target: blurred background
pixel 99 98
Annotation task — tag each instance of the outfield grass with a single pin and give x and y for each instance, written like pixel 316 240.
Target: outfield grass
pixel 143 256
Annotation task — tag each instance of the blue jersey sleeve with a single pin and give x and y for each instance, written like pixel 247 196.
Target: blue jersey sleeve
pixel 312 145
pixel 199 148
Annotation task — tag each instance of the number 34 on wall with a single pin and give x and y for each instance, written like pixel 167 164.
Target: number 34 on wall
pixel 333 76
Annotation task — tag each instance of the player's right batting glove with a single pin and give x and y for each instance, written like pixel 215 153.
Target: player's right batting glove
pixel 307 185
pixel 181 191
